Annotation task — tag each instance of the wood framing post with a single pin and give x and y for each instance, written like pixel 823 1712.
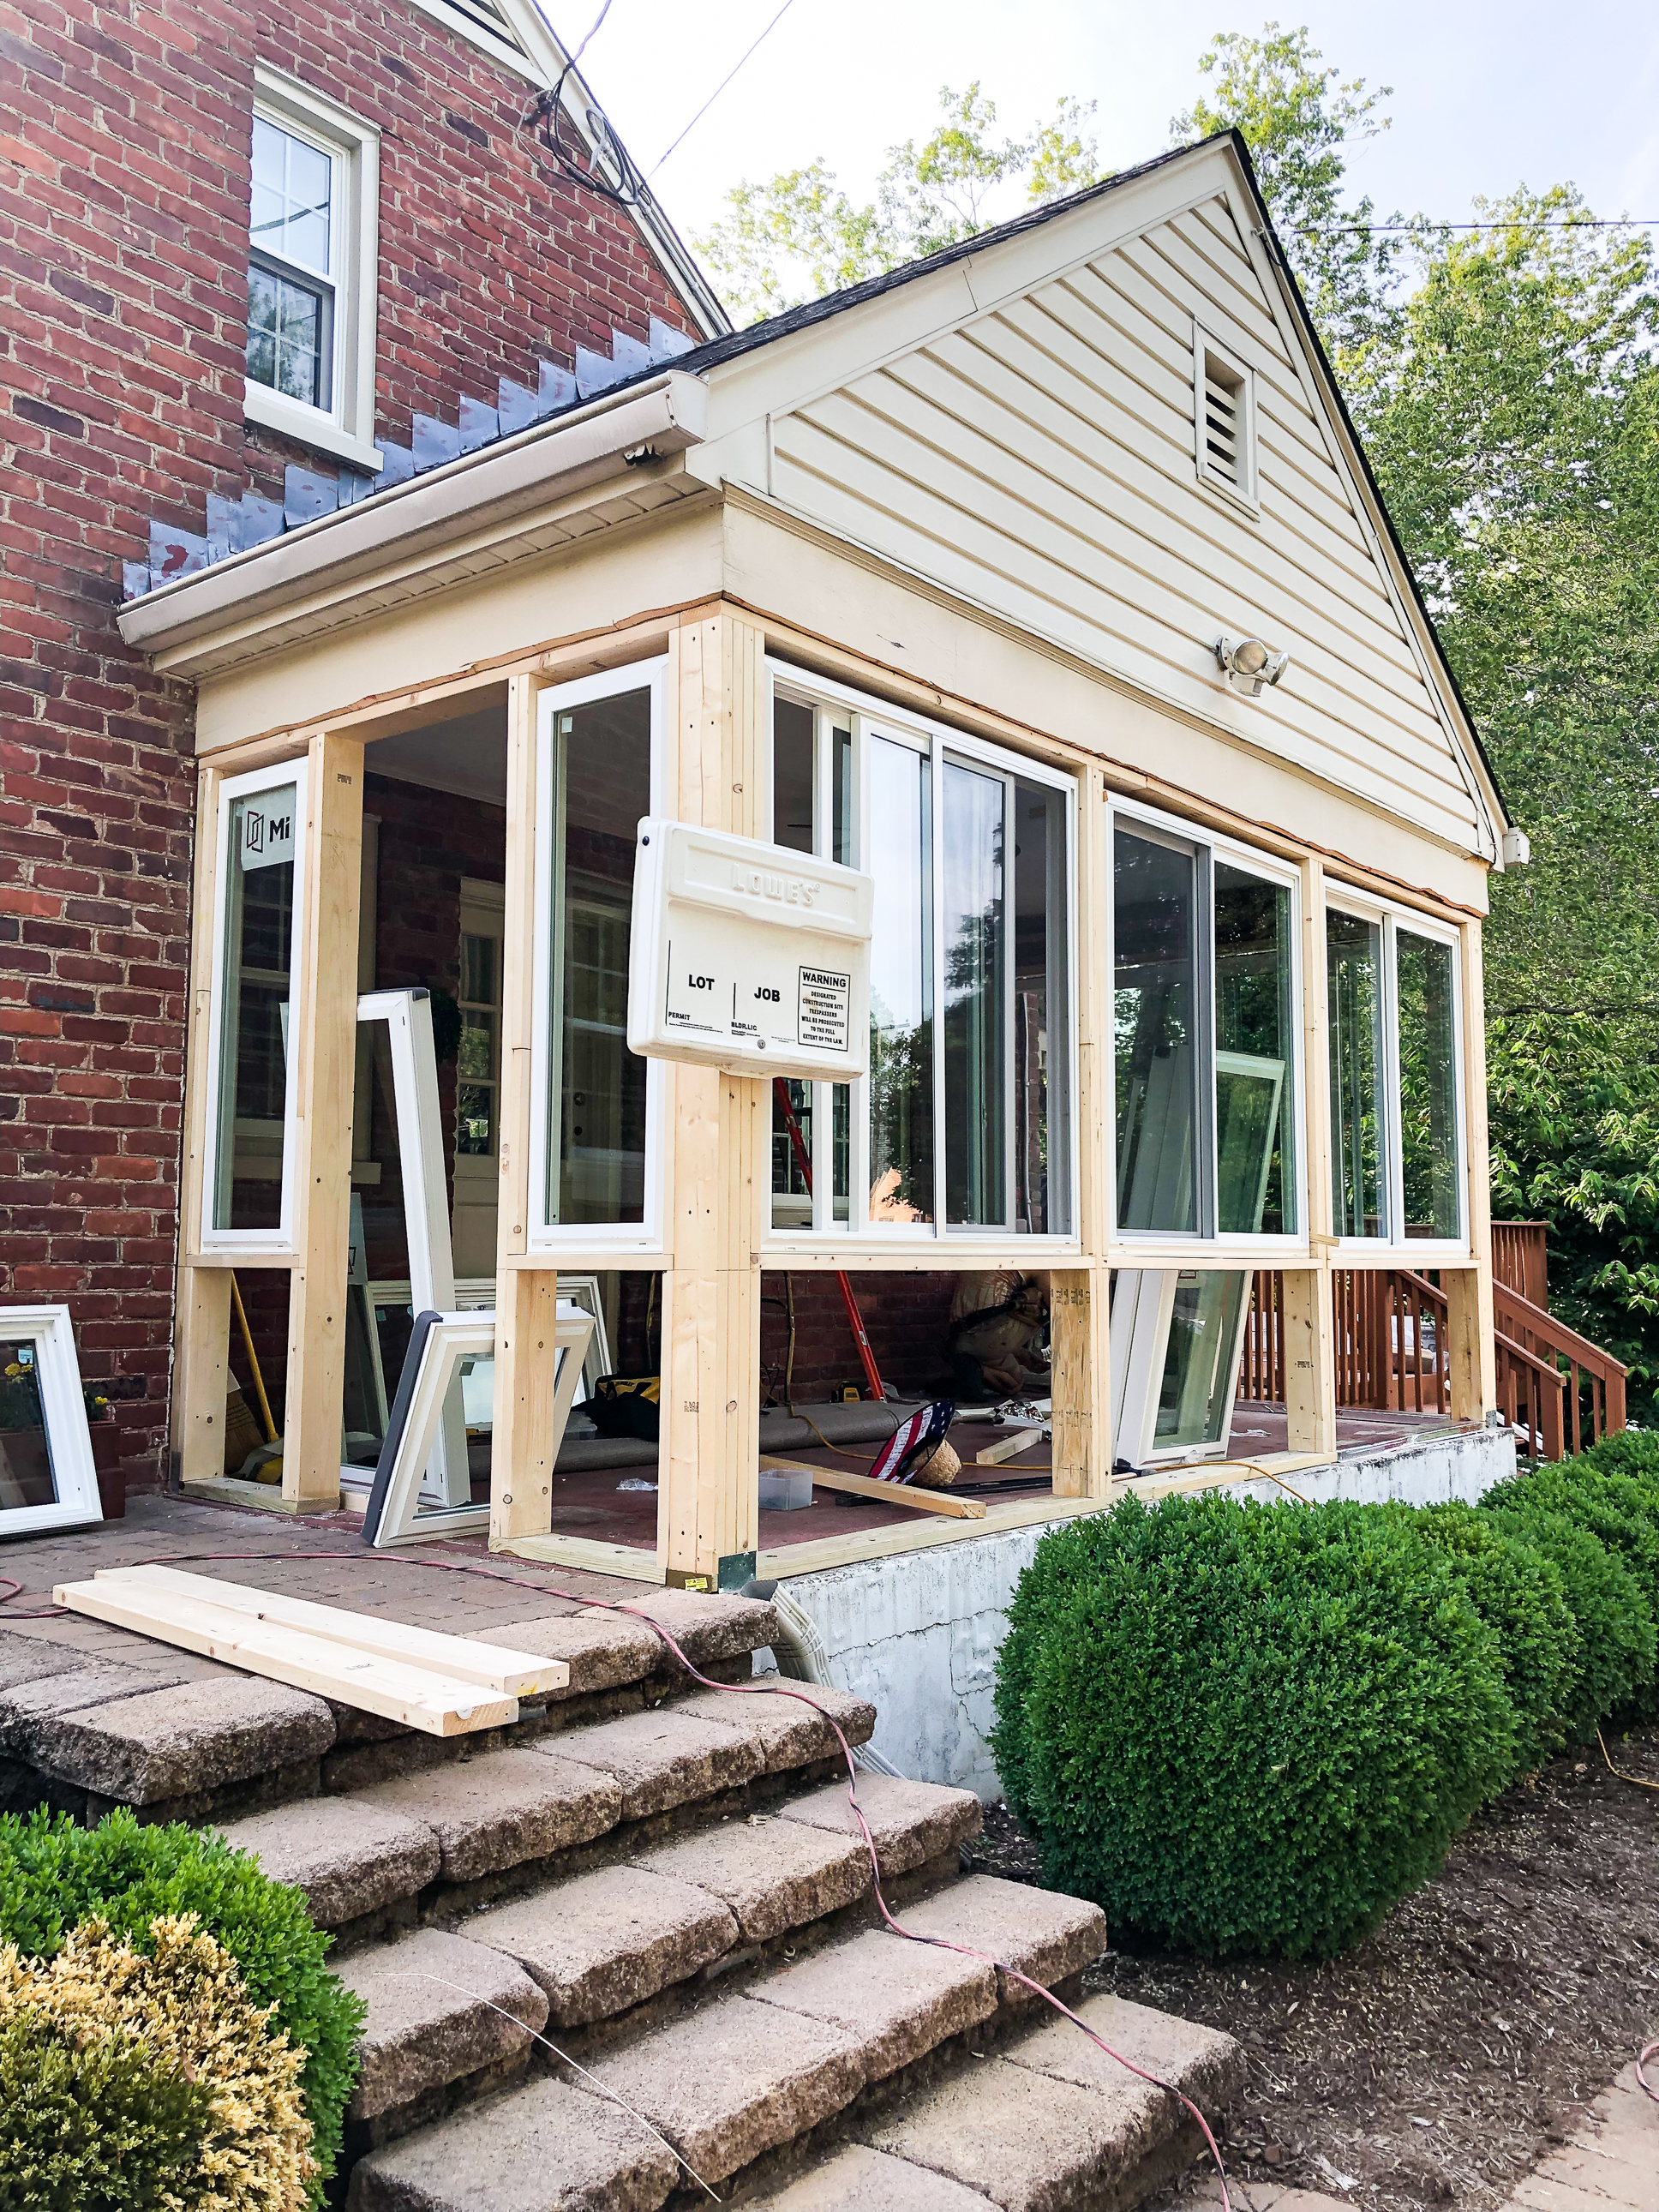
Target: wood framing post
pixel 1306 1318
pixel 717 1147
pixel 1469 1321
pixel 202 1294
pixel 526 1298
pixel 1080 1383
pixel 322 1030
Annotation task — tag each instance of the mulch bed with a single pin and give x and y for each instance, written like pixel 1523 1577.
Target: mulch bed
pixel 1436 2064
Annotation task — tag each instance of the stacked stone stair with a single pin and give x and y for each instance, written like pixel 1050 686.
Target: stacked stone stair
pixel 667 1884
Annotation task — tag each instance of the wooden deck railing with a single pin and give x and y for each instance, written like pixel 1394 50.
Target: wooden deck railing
pixel 1518 1259
pixel 1391 1338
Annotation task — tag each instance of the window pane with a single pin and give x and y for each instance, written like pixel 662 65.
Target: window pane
pixel 602 770
pixel 1255 1034
pixel 1428 1086
pixel 293 191
pixel 26 1474
pixel 286 343
pixel 975 996
pixel 1353 968
pixel 792 1154
pixel 793 810
pixel 254 983
pixel 1153 1014
pixel 901 987
pixel 1200 1368
pixel 1042 1072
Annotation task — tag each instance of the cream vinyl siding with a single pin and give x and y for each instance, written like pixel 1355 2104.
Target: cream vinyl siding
pixel 1040 459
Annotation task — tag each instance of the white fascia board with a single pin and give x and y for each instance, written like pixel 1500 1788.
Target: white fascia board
pixel 517 475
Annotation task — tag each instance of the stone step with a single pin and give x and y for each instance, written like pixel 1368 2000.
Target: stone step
pixel 598 1944
pixel 439 2007
pixel 742 2075
pixel 361 1861
pixel 1052 2124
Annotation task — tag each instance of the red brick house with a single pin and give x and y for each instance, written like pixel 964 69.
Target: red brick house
pixel 255 262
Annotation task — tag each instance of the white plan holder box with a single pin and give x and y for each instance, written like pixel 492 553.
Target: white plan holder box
pixel 748 957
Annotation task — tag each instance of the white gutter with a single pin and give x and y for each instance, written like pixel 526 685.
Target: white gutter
pixel 509 477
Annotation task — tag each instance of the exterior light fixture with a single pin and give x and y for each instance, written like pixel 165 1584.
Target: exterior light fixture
pixel 1247 662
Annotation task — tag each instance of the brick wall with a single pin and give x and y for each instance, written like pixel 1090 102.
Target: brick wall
pixel 906 1317
pixel 124 194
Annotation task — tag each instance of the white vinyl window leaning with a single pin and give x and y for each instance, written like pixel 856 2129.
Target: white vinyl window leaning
pixel 248 1181
pixel 964 1125
pixel 596 1107
pixel 312 271
pixel 48 1477
pixel 1206 993
pixel 1394 1016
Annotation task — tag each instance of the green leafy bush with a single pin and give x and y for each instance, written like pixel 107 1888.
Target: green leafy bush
pixel 1066 1559
pixel 1253 1728
pixel 1522 1596
pixel 1630 1452
pixel 53 1875
pixel 1606 1600
pixel 96 2125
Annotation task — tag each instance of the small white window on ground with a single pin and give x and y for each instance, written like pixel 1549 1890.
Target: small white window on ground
pixel 312 252
pixel 1223 394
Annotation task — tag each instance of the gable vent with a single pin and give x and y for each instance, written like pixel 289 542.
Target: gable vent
pixel 1224 410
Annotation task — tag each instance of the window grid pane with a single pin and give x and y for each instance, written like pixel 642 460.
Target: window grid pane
pixel 1427 997
pixel 1358 1074
pixel 1154 1015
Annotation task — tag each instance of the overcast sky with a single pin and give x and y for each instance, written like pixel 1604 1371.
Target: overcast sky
pixel 1484 95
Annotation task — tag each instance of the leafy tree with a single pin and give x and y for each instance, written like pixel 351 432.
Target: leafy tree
pixel 798 235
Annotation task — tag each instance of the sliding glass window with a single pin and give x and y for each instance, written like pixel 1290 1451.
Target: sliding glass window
pixel 964 1123
pixel 1203 1018
pixel 247 1190
pixel 1396 1087
pixel 591 1096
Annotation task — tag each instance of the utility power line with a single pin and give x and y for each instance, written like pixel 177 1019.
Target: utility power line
pixel 720 86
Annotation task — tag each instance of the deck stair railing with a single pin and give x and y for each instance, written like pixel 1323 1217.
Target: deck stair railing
pixel 1557 1388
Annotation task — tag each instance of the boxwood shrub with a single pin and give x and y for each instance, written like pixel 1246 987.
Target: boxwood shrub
pixel 1609 1601
pixel 1252 1727
pixel 1630 1451
pixel 1522 1595
pixel 54 1875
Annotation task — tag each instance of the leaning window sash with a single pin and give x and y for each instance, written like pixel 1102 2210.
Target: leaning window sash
pixel 239 1148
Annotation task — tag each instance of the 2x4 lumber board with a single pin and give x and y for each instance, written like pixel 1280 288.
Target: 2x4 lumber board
pixel 890 1494
pixel 523 1446
pixel 498 1667
pixel 1080 1388
pixel 201 1372
pixel 395 1691
pixel 1305 1319
pixel 1309 1342
pixel 1008 1447
pixel 921 1535
pixel 326 1044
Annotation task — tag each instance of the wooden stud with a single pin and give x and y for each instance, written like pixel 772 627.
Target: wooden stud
pixel 323 1034
pixel 517 974
pixel 1309 1353
pixel 522 1450
pixel 915 1496
pixel 1469 1323
pixel 1080 1388
pixel 201 1373
pixel 202 1306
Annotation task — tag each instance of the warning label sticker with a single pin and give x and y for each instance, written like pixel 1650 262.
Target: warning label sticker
pixel 824 1007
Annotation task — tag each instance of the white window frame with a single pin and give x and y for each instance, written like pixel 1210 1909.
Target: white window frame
pixel 63 1418
pixel 539 58
pixel 276 1242
pixel 1238 1248
pixel 870 717
pixel 346 428
pixel 1246 493
pixel 645 1235
pixel 1424 1251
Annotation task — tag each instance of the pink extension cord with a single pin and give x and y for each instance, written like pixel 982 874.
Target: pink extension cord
pixel 738 1689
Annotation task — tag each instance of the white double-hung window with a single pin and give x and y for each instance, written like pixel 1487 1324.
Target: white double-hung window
pixel 312 269
pixel 595 1108
pixel 963 1126
pixel 1394 1020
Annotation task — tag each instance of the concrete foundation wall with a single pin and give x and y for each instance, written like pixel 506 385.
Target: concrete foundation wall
pixel 918 1634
